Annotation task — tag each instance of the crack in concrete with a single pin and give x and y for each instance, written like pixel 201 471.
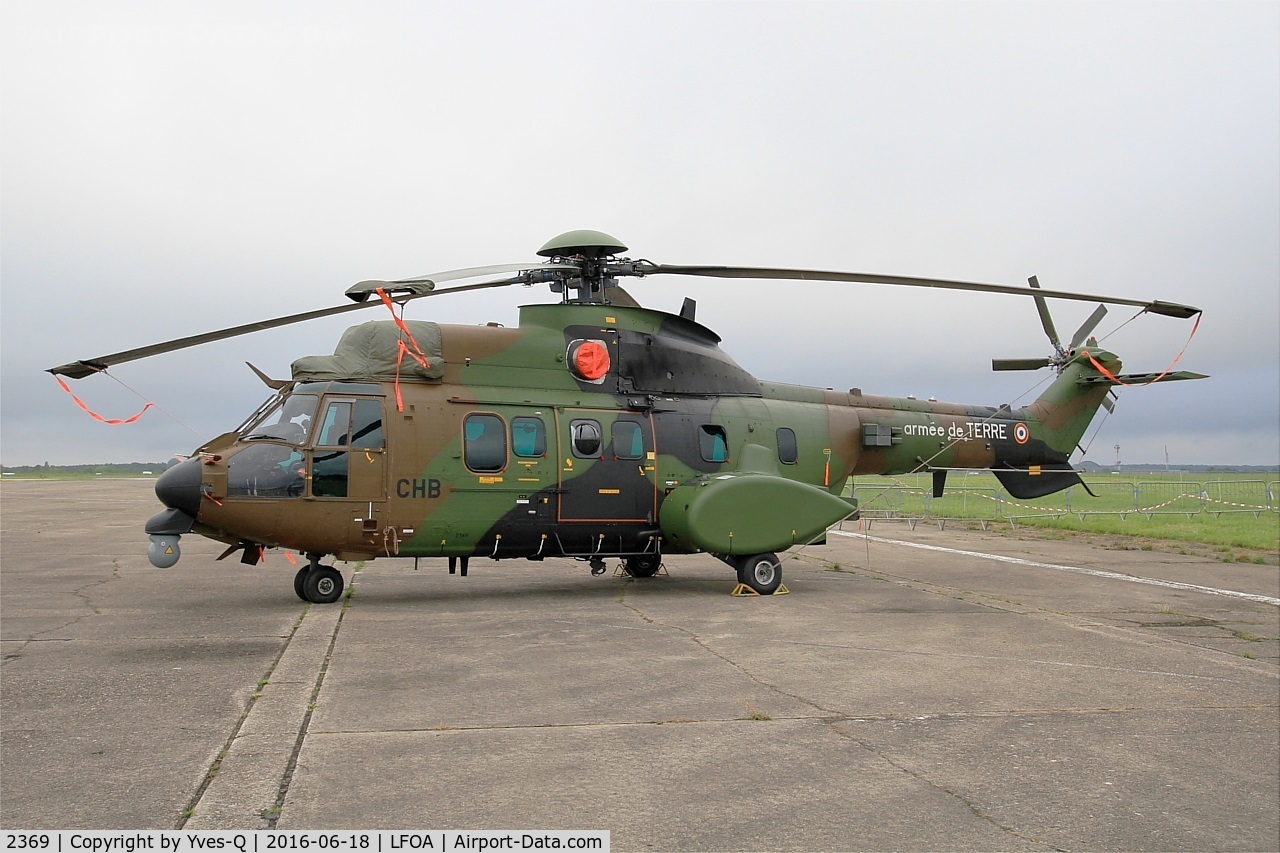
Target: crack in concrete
pixel 830 719
pixel 1073 619
pixel 697 640
pixel 80 593
pixel 1006 659
pixel 972 806
pixel 833 719
pixel 595 724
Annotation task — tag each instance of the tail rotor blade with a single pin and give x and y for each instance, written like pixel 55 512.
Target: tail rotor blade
pixel 1045 319
pixel 1088 326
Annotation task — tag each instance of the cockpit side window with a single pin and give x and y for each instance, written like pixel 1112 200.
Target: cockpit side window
pixel 366 429
pixel 268 470
pixel 335 427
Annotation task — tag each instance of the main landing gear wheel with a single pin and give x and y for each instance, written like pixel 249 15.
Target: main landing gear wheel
pixel 322 585
pixel 298 581
pixel 761 572
pixel 643 565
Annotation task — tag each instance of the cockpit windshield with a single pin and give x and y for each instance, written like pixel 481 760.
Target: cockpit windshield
pixel 287 419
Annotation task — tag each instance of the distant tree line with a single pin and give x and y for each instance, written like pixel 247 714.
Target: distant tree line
pixel 106 468
pixel 1156 468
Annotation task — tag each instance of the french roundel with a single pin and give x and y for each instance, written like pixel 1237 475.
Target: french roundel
pixel 1021 433
pixel 589 360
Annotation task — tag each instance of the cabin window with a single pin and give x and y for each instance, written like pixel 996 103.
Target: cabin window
pixel 628 440
pixel 787 450
pixel 713 443
pixel 587 437
pixel 529 438
pixel 266 471
pixel 484 443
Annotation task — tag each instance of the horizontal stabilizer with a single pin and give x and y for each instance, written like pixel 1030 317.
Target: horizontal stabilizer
pixel 1140 378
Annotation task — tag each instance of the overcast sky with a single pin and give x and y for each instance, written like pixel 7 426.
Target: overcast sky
pixel 170 168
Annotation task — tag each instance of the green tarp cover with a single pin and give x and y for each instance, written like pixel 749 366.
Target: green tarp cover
pixel 369 351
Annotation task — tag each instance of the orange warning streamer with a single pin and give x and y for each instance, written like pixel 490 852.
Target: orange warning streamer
pixel 95 415
pixel 416 353
pixel 1177 358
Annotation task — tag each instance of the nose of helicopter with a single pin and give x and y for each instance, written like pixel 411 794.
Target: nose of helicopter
pixel 179 487
pixel 179 490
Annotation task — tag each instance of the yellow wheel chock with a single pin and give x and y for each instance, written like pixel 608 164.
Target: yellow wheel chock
pixel 743 590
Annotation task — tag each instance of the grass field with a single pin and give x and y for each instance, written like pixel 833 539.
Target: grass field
pixel 1224 511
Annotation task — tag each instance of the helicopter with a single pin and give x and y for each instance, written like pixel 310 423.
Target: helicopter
pixel 595 429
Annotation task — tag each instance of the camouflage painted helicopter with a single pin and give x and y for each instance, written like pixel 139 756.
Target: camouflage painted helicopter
pixel 596 429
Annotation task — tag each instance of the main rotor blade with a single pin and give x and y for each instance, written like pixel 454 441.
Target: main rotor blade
pixel 1168 309
pixel 1045 319
pixel 1088 326
pixel 476 272
pixel 418 285
pixel 88 366
pixel 1019 363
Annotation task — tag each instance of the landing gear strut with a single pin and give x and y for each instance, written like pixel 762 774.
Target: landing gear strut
pixel 316 583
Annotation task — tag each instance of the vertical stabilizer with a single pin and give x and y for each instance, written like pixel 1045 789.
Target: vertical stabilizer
pixel 1039 465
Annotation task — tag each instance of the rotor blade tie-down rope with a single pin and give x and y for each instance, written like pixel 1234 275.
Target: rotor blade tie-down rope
pixel 95 415
pixel 1177 358
pixel 416 353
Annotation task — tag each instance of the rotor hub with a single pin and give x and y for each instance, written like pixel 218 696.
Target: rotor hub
pixel 583 243
pixel 589 251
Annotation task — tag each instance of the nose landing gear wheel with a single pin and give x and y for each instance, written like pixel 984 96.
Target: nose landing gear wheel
pixel 761 572
pixel 322 585
pixel 298 580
